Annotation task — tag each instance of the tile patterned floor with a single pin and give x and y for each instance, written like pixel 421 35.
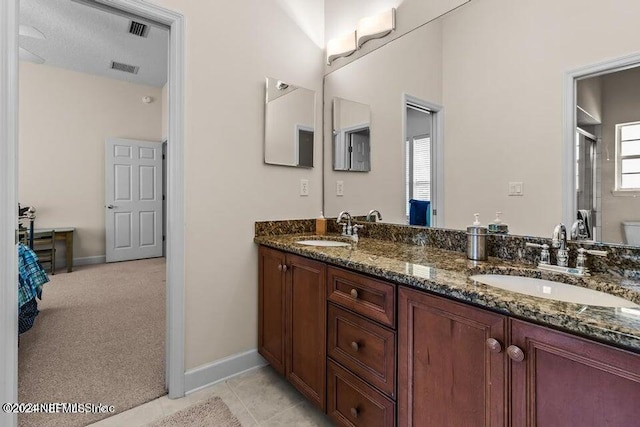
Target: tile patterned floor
pixel 259 397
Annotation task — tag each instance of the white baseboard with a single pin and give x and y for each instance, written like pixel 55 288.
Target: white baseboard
pixel 206 375
pixel 99 259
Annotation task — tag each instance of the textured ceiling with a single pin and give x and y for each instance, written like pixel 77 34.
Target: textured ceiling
pixel 86 39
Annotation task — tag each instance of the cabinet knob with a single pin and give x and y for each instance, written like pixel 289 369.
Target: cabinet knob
pixel 515 353
pixel 354 293
pixel 494 345
pixel 280 267
pixel 285 268
pixel 354 412
pixel 355 346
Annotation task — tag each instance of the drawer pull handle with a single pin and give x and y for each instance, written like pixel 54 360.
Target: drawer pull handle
pixel 494 345
pixel 280 267
pixel 354 412
pixel 355 346
pixel 285 268
pixel 515 353
pixel 354 293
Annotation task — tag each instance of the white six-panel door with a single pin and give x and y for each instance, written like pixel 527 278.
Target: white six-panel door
pixel 133 199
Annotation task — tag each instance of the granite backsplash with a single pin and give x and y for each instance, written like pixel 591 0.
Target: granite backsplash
pixel 622 261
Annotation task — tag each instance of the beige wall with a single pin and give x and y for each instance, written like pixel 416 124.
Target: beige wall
pixel 341 17
pixel 379 80
pixel 283 117
pixel 504 63
pixel 229 51
pixel 620 104
pixel 65 117
pixel 589 97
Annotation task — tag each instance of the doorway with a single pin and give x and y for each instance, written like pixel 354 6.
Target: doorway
pixel 423 162
pixel 8 190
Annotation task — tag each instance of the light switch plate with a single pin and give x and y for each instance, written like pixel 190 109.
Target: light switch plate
pixel 516 188
pixel 339 188
pixel 304 187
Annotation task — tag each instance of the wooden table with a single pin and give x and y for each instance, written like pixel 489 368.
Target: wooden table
pixel 62 233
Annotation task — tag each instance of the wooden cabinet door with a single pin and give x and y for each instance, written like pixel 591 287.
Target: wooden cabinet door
pixel 447 374
pixel 306 328
pixel 271 307
pixel 565 380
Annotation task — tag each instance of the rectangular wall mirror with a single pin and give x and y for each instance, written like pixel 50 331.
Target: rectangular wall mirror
pixel 507 137
pixel 351 136
pixel 289 124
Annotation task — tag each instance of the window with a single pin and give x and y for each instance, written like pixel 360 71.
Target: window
pixel 628 156
pixel 418 169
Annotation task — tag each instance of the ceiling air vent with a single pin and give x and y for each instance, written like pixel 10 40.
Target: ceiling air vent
pixel 119 66
pixel 138 29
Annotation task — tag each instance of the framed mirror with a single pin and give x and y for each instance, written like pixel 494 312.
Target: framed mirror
pixel 498 69
pixel 289 124
pixel 602 198
pixel 351 136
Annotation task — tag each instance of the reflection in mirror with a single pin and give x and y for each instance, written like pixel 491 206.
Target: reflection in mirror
pixel 289 124
pixel 418 164
pixel 607 157
pixel 405 71
pixel 498 68
pixel 351 136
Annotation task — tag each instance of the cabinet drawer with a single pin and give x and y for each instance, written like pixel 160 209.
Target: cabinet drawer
pixel 369 297
pixel 351 402
pixel 364 347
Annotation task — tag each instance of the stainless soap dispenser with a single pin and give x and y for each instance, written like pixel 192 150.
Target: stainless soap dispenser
pixel 477 240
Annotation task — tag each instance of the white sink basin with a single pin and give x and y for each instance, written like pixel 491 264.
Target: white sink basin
pixel 326 243
pixel 552 290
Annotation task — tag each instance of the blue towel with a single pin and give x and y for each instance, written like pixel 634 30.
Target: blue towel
pixel 419 212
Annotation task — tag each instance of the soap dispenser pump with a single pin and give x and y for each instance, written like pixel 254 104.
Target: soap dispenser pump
pixel 477 240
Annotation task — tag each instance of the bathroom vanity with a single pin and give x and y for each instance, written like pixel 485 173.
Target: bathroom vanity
pixel 385 333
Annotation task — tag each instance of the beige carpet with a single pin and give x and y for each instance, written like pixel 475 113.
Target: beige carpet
pixel 99 338
pixel 210 413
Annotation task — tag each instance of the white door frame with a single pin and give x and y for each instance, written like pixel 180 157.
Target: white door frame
pixel 437 147
pixel 174 358
pixel 569 202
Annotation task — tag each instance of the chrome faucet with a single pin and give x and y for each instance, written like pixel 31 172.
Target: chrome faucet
pixel 377 214
pixel 560 242
pixel 348 230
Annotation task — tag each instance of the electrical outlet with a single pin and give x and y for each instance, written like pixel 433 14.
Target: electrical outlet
pixel 339 188
pixel 516 189
pixel 304 187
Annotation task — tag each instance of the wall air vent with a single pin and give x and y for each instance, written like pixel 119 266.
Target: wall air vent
pixel 138 29
pixel 126 68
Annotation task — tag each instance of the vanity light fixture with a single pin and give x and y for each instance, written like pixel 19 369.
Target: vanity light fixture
pixel 341 46
pixel 375 27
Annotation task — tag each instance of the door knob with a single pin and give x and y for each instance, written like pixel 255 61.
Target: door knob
pixel 280 267
pixel 354 412
pixel 494 345
pixel 110 206
pixel 355 346
pixel 354 293
pixel 284 267
pixel 515 353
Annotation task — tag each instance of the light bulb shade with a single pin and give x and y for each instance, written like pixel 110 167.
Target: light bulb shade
pixel 341 46
pixel 375 27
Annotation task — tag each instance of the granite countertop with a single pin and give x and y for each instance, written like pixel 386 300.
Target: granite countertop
pixel 447 273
